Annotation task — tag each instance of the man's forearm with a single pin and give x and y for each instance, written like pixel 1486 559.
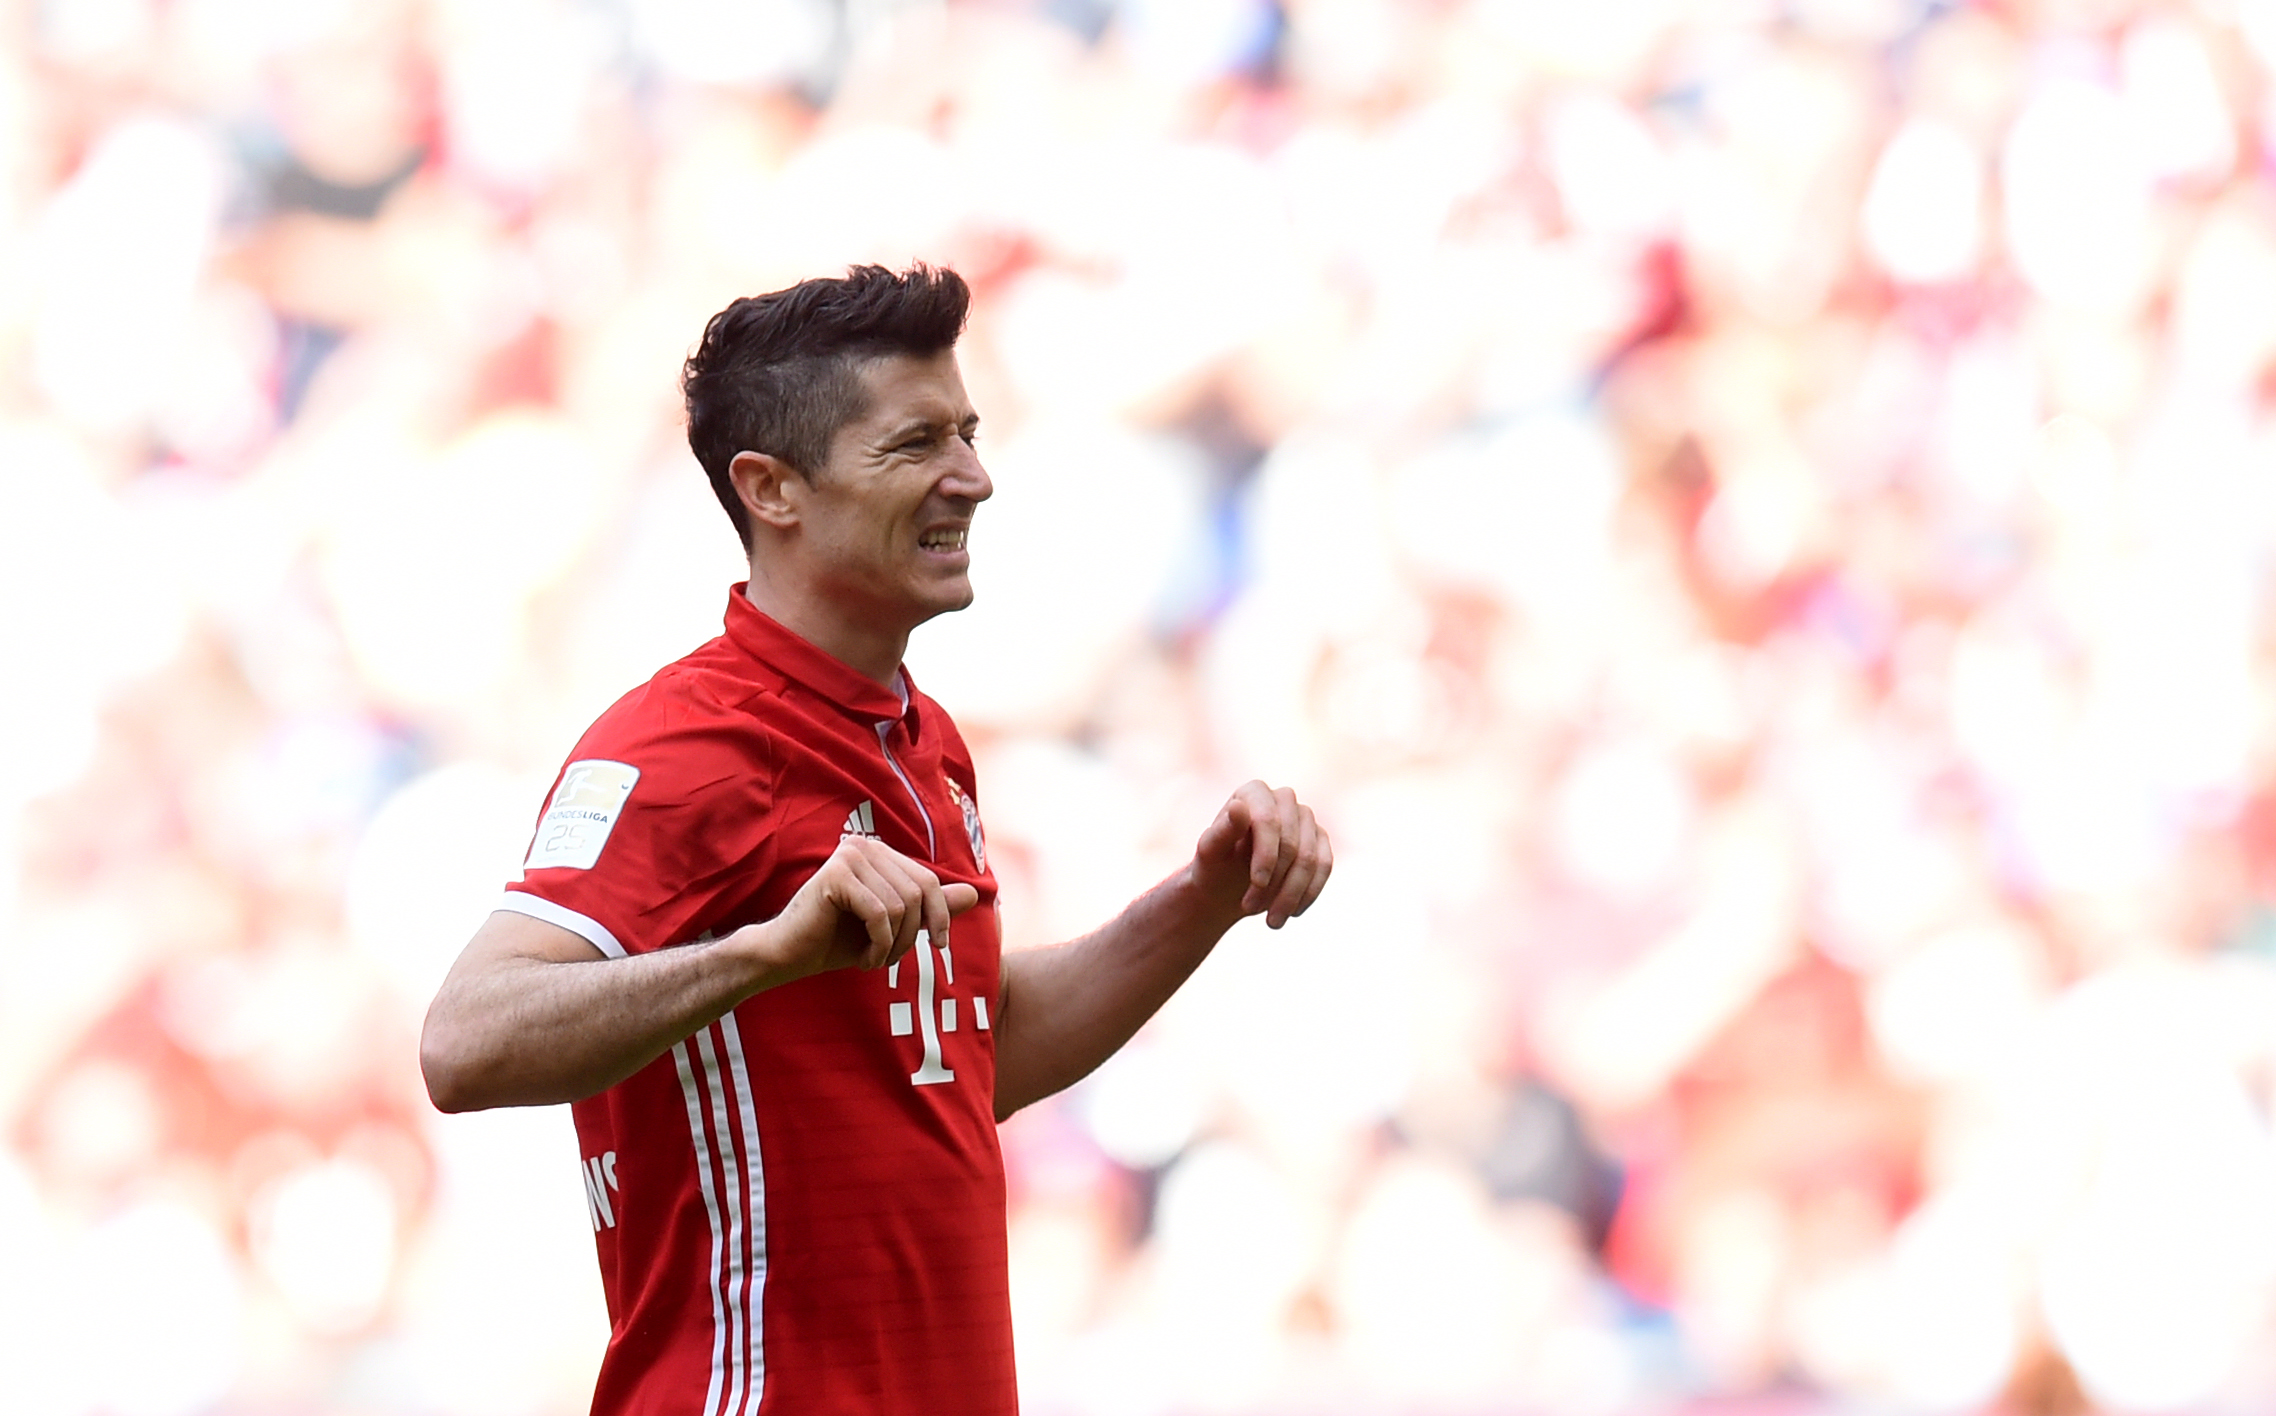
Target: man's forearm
pixel 1066 1009
pixel 532 1014
pixel 531 1031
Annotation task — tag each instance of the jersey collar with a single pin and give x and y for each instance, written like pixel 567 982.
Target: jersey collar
pixel 763 637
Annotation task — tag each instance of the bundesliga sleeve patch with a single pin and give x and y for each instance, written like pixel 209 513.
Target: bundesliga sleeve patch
pixel 582 813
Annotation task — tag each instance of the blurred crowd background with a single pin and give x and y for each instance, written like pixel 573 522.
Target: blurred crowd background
pixel 1751 520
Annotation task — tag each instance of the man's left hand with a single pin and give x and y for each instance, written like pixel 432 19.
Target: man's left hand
pixel 1266 850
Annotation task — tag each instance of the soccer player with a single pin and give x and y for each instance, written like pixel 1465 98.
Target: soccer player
pixel 755 943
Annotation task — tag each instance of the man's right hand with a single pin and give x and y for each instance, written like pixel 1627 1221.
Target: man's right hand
pixel 862 909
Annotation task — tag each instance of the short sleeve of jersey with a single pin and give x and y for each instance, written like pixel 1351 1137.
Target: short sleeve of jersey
pixel 656 827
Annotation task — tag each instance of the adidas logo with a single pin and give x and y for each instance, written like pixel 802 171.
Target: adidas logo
pixel 860 822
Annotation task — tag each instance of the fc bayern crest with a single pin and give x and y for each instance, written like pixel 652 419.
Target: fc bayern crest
pixel 971 824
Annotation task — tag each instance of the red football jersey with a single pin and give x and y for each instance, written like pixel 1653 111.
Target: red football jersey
pixel 800 1208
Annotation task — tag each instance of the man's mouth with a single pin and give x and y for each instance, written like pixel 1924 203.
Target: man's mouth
pixel 947 539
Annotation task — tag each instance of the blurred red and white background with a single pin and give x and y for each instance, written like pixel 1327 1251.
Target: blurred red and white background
pixel 1752 522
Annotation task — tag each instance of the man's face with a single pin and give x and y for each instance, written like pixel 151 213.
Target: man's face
pixel 886 520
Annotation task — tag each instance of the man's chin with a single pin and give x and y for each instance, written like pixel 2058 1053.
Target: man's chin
pixel 947 601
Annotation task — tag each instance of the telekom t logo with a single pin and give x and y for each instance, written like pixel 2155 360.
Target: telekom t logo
pixel 934 1012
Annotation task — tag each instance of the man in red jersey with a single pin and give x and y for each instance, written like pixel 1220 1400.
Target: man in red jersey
pixel 755 943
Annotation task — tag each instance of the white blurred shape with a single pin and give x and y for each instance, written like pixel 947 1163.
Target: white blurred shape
pixel 862 193
pixel 255 29
pixel 324 1234
pixel 1608 167
pixel 1229 1253
pixel 1604 40
pixel 2224 312
pixel 431 866
pixel 503 1308
pixel 516 81
pixel 1619 1044
pixel 119 253
pixel 1398 822
pixel 101 1121
pixel 1526 511
pixel 1320 564
pixel 1923 215
pixel 735 42
pixel 1079 816
pixel 2174 102
pixel 2143 1168
pixel 1958 1004
pixel 1316 527
pixel 216 404
pixel 660 592
pixel 1883 888
pixel 1144 1105
pixel 1622 819
pixel 2011 711
pixel 1989 418
pixel 83 30
pixel 1175 255
pixel 1345 48
pixel 1731 1258
pixel 1069 558
pixel 1755 524
pixel 69 548
pixel 151 1305
pixel 2176 664
pixel 1953 1321
pixel 1312 1029
pixel 2075 465
pixel 31 1340
pixel 1427 1289
pixel 2158 1282
pixel 2084 830
pixel 431 561
pixel 1384 693
pixel 1192 41
pixel 1382 200
pixel 2077 190
pixel 2256 19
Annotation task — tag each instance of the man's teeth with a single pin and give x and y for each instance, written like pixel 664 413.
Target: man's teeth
pixel 942 540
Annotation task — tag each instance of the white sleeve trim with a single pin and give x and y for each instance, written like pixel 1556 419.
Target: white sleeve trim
pixel 537 907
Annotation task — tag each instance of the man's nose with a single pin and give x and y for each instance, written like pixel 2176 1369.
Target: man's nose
pixel 968 479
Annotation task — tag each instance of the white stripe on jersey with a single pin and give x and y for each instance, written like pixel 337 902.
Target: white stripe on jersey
pixel 738 1316
pixel 701 1139
pixel 755 1189
pixel 538 907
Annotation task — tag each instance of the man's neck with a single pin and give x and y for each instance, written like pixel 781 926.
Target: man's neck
pixel 861 647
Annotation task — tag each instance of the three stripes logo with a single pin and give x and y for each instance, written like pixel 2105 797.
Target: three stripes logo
pixel 861 821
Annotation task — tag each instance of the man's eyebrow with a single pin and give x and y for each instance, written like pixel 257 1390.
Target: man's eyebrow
pixel 924 424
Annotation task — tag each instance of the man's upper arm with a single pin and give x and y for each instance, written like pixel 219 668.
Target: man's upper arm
pixel 509 938
pixel 466 1022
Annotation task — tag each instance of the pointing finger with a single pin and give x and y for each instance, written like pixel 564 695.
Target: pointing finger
pixel 908 881
pixel 1264 846
pixel 862 895
pixel 935 908
pixel 1319 876
pixel 1297 882
pixel 1290 814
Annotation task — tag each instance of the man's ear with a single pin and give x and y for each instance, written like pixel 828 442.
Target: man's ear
pixel 768 487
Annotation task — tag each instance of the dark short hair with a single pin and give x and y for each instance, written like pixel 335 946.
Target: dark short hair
pixel 781 373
